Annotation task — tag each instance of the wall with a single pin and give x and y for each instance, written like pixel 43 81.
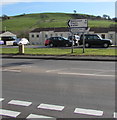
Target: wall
pixel 40 37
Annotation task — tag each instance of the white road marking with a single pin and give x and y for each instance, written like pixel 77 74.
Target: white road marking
pixel 84 74
pixel 37 116
pixel 55 70
pixel 115 115
pixel 51 107
pixel 88 112
pixel 18 102
pixel 1 99
pixel 9 113
pixel 11 70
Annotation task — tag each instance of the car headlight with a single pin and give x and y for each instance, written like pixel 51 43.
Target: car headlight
pixel 111 41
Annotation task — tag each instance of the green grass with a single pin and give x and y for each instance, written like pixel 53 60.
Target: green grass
pixel 29 22
pixel 59 51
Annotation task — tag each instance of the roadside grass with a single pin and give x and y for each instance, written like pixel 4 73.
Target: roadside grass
pixel 60 51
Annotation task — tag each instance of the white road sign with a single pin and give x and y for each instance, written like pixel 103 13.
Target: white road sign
pixel 80 23
pixel 77 30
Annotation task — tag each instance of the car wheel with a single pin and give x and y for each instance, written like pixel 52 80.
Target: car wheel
pixel 66 45
pixel 105 45
pixel 51 45
pixel 87 45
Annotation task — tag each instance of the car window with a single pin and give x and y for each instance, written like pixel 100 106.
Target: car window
pixel 96 37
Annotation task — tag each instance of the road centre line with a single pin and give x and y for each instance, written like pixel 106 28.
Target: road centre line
pixel 84 74
pixel 51 107
pixel 1 99
pixel 88 112
pixel 37 116
pixel 9 113
pixel 18 102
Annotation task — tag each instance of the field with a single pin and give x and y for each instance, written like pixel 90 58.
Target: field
pixel 23 24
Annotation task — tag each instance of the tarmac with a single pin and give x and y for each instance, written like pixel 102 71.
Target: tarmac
pixel 60 57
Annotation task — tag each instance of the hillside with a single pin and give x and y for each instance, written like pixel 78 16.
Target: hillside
pixel 24 23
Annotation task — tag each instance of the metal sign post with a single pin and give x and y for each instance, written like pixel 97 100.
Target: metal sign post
pixel 78 26
pixel 83 43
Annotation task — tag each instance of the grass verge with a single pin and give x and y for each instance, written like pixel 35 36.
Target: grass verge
pixel 60 51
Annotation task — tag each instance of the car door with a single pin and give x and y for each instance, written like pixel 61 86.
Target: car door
pixel 97 40
pixel 60 41
pixel 93 39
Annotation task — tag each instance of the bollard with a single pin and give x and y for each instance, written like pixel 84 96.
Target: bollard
pixel 21 49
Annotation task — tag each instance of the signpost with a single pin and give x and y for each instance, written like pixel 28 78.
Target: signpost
pixel 78 26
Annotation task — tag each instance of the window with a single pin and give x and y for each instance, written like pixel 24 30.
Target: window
pixel 61 35
pixel 51 35
pixel 37 36
pixel 111 36
pixel 46 36
pixel 32 35
pixel 96 37
pixel 103 36
pixel 56 34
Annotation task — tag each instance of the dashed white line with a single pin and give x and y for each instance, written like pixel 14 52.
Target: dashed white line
pixel 115 115
pixel 37 116
pixel 51 107
pixel 9 113
pixel 1 99
pixel 84 74
pixel 18 102
pixel 88 112
pixel 11 70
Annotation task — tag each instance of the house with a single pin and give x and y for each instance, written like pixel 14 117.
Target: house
pixel 8 37
pixel 39 35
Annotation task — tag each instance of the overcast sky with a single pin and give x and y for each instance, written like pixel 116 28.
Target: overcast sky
pixel 92 7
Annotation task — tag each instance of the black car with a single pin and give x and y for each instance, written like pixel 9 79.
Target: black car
pixel 94 40
pixel 58 41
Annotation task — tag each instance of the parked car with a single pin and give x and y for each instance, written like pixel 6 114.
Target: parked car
pixel 19 41
pixel 94 40
pixel 1 42
pixel 58 41
pixel 5 39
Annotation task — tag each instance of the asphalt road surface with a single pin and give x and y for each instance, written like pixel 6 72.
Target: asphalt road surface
pixel 34 88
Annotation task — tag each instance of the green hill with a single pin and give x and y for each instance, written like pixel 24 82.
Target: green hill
pixel 24 23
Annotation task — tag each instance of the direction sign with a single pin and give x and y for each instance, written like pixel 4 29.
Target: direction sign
pixel 80 23
pixel 77 30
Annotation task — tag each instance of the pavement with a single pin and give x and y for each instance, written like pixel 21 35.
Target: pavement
pixel 60 57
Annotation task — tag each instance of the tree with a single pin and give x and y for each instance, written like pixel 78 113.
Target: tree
pixel 5 17
pixel 106 17
pixel 75 11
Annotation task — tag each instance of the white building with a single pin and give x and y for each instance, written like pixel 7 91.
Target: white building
pixel 39 35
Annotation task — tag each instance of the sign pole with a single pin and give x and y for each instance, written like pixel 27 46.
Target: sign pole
pixel 72 50
pixel 78 26
pixel 83 43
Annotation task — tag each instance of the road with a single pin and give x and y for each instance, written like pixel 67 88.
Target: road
pixel 57 89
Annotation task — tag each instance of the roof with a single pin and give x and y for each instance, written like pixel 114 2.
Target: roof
pixel 103 30
pixel 66 29
pixel 7 34
pixel 60 29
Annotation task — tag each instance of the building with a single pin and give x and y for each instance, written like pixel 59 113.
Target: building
pixel 39 35
pixel 7 37
pixel 7 34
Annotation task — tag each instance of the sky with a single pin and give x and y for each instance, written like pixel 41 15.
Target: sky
pixel 91 7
